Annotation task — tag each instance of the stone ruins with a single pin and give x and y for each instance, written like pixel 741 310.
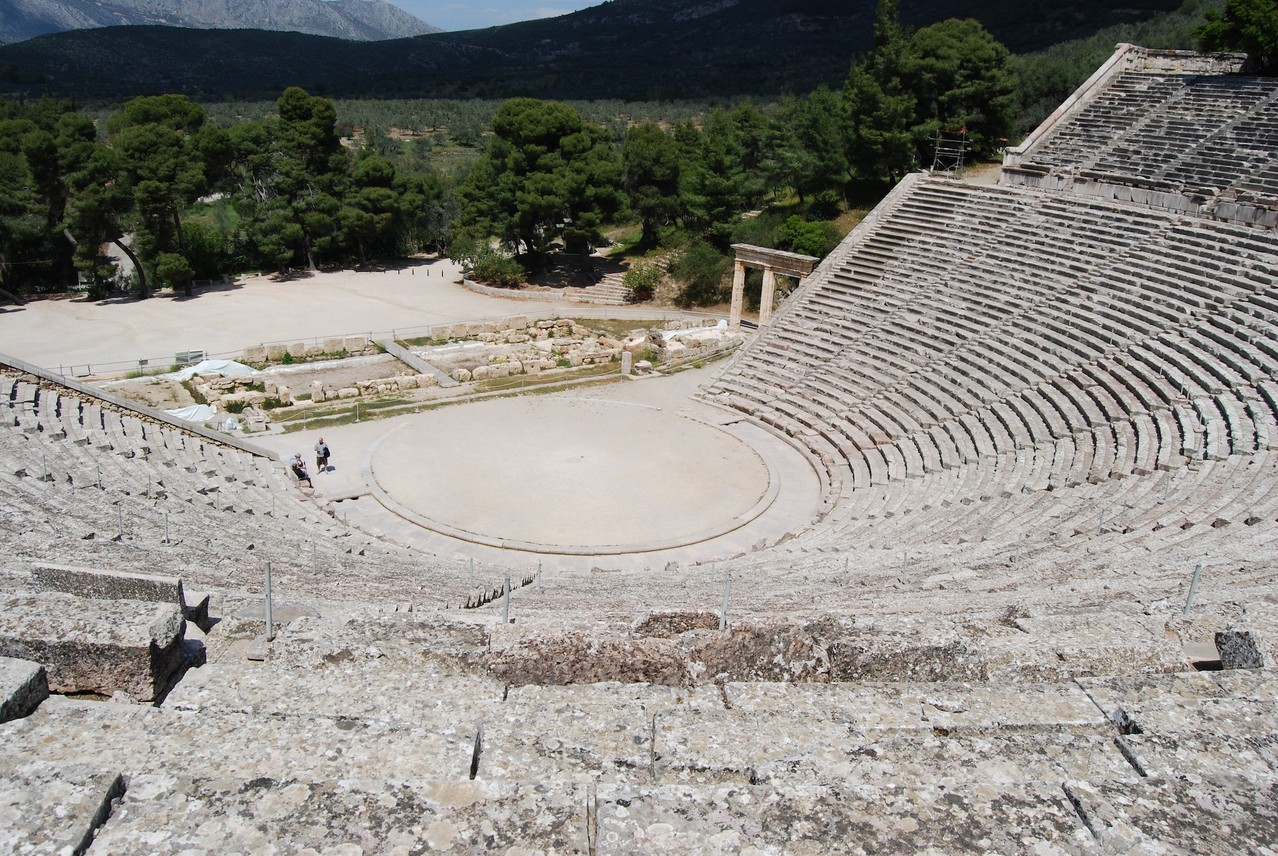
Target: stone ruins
pixel 1036 613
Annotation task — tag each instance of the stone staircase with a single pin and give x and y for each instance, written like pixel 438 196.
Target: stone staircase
pixel 384 732
pixel 609 291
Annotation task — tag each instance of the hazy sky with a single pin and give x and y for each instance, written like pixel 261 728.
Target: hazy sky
pixel 488 13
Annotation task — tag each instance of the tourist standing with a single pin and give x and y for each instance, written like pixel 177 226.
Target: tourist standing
pixel 321 456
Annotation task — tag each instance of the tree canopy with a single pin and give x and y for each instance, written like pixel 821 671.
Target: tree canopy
pixel 1250 26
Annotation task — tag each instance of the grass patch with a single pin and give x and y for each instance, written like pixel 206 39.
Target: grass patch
pixel 422 342
pixel 526 381
pixel 346 405
pixel 618 328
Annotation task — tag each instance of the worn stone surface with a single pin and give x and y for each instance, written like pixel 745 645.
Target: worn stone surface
pixel 931 758
pixel 1219 815
pixel 760 652
pixel 142 739
pixel 54 808
pixel 223 814
pixel 563 741
pixel 740 818
pixel 23 685
pixel 706 747
pixel 572 659
pixel 119 585
pixel 95 646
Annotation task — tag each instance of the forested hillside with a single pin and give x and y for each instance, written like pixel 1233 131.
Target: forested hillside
pixel 630 49
pixel 506 187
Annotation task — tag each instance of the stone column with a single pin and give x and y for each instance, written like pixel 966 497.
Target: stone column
pixel 738 295
pixel 769 295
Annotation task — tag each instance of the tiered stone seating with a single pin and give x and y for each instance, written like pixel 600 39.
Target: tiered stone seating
pixel 1039 416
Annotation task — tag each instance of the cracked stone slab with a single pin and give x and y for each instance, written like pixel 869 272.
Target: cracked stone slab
pixel 654 697
pixel 567 741
pixel 1220 815
pixel 54 808
pixel 23 686
pixel 705 748
pixel 98 646
pixel 1117 697
pixel 887 706
pixel 358 688
pixel 223 814
pixel 142 739
pixel 739 818
pixel 961 758
pixel 1207 754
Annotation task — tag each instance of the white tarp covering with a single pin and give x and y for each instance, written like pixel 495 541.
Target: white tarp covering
pixel 194 413
pixel 226 368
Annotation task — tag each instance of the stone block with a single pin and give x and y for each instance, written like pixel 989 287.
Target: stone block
pixel 23 685
pixel 406 382
pixel 348 392
pixel 95 646
pixel 461 375
pixel 481 373
pixel 119 585
pixel 297 349
pixel 275 353
pixel 425 381
pixel 295 815
pixel 317 392
pixel 743 818
pixel 314 351
pixel 1180 814
pixel 1239 650
pixel 334 346
pixel 54 808
pixel 500 370
pixel 558 741
pixel 354 344
pixel 254 355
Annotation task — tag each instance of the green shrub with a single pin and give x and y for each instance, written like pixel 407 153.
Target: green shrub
pixel 233 406
pixel 642 280
pixel 498 269
pixel 703 270
pixel 809 238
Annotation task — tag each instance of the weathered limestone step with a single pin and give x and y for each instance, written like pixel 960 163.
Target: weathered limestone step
pixel 120 585
pixel 138 739
pixel 23 685
pixel 581 732
pixel 360 687
pixel 1195 723
pixel 54 808
pixel 228 814
pixel 945 707
pixel 1220 815
pixel 952 760
pixel 96 646
pixel 837 819
pixel 567 742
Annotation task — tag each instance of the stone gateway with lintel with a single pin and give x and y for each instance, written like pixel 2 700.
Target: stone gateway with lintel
pixel 772 262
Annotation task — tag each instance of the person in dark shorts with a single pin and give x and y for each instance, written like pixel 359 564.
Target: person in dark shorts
pixel 321 456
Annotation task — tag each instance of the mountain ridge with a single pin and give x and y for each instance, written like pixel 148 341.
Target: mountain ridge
pixel 360 20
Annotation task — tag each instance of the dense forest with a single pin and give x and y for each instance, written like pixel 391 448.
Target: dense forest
pixel 188 192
